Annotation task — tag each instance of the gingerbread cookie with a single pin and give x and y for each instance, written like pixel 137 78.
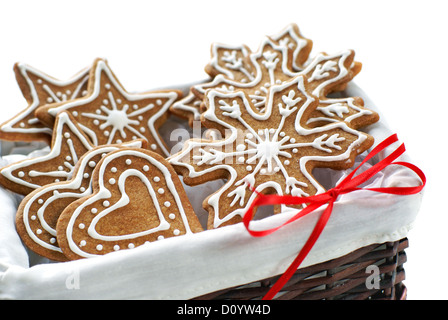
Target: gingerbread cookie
pixel 39 211
pixel 236 62
pixel 271 152
pixel 40 89
pixel 68 144
pixel 230 61
pixel 137 198
pixel 326 74
pixel 239 65
pixel 330 73
pixel 109 114
pixel 300 46
pixel 278 59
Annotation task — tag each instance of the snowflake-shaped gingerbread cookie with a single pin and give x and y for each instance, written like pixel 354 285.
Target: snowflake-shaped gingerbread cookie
pixel 278 59
pixel 238 64
pixel 271 152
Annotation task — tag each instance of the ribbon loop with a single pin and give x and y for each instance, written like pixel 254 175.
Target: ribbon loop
pixel 349 184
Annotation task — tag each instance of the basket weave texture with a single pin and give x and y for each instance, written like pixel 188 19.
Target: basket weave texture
pixel 344 278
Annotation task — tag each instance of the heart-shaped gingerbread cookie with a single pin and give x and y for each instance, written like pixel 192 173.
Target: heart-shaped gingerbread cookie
pixel 137 198
pixel 39 211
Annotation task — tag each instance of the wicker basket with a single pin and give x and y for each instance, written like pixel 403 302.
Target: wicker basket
pixel 343 278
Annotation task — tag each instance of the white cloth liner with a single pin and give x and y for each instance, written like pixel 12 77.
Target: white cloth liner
pixel 188 266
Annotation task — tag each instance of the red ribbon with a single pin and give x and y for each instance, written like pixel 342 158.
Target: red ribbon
pixel 349 184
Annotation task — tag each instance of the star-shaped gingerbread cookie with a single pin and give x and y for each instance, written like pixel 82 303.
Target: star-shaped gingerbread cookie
pixel 69 143
pixel 40 89
pixel 109 114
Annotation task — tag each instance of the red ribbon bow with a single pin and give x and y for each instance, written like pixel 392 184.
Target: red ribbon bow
pixel 349 184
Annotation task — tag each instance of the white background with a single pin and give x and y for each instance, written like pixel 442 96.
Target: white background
pixel 151 44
